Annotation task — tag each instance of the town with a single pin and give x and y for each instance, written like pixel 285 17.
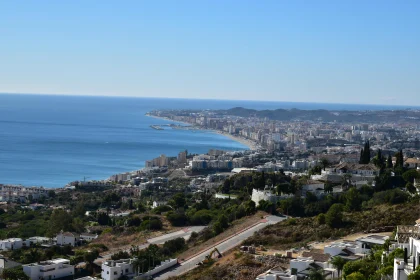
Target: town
pixel 290 207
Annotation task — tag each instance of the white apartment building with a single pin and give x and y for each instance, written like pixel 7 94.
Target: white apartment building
pixel 112 270
pixel 53 269
pixel 11 244
pixel 16 193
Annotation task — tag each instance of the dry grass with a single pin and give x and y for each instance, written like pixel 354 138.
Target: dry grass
pixel 233 265
pixel 128 238
pixel 237 226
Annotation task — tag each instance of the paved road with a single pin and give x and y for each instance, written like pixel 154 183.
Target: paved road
pixel 222 247
pixel 185 233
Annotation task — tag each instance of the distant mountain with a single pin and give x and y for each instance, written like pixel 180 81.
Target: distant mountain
pixel 325 115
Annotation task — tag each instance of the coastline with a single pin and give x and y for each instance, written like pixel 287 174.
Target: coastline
pixel 246 142
pixel 252 145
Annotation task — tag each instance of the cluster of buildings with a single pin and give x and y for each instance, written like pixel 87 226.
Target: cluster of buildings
pixel 110 270
pixel 62 239
pixel 17 193
pixel 320 259
pixel 301 134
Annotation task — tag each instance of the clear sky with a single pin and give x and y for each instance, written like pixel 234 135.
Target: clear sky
pixel 286 50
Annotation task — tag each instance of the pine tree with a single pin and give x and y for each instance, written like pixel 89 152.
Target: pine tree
pixel 362 153
pixel 401 158
pixel 367 153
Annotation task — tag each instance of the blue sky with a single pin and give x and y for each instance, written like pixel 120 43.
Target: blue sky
pixel 310 51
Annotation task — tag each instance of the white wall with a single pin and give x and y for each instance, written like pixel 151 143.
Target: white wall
pixel 163 265
pixel 110 272
pixel 55 270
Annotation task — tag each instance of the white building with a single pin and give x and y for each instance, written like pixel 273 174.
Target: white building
pixel 88 236
pixel 11 244
pixel 274 274
pixel 112 270
pixel 258 195
pixel 302 266
pixel 67 238
pixel 158 203
pixel 17 193
pixel 53 269
pixel 344 247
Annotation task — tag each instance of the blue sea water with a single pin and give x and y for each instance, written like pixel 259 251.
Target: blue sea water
pixel 48 140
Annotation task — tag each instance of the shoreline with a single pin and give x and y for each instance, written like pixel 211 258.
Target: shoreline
pixel 246 142
pixel 252 145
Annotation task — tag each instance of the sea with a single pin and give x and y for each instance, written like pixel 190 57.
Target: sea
pixel 51 140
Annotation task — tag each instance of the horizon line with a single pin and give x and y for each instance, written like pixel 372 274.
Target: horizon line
pixel 214 99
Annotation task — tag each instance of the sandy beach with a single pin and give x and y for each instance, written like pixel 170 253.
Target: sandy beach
pixel 252 145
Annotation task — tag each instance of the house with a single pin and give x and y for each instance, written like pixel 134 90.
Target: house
pixel 112 270
pixel 88 236
pixel 356 169
pixel 405 232
pixel 412 163
pixel 303 265
pixel 276 274
pixel 404 267
pixel 315 187
pixel 37 240
pixel 5 263
pixel 158 203
pixel 267 195
pixel 52 269
pixel 11 244
pixel 348 250
pixel 372 240
pixel 67 238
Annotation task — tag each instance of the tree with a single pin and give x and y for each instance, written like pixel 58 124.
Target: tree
pixel 226 186
pixel 316 274
pixel 89 257
pixel 59 220
pixel 334 216
pixel 365 154
pixel 217 228
pixel 415 275
pixel 178 201
pixel 328 187
pixel 15 273
pixel 324 163
pixel 338 262
pixel 51 193
pixel 120 255
pixel 353 201
pixel 410 175
pixel 177 219
pixel 366 267
pixel 103 219
pixel 378 160
pixel 321 219
pixel 355 276
pixel 399 162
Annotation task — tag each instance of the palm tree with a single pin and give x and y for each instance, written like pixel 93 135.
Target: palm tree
pixel 338 263
pixel 316 274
